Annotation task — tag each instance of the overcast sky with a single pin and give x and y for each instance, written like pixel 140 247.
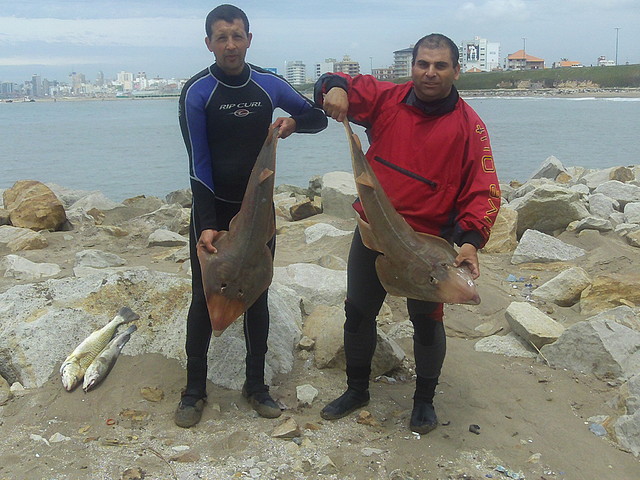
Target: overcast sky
pixel 165 38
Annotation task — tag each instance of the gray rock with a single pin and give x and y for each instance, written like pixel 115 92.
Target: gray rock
pixel 550 169
pixel 510 345
pixel 25 270
pixel 538 247
pixel 166 238
pixel 98 259
pixel 532 325
pixel 590 223
pixel 181 197
pixel 320 230
pixel 632 212
pixel 602 206
pixel 549 208
pixel 623 193
pixel 565 288
pixel 627 430
pixel 623 315
pixel 602 347
pixel 338 194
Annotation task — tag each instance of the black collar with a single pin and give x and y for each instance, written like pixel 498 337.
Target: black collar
pixel 232 80
pixel 437 107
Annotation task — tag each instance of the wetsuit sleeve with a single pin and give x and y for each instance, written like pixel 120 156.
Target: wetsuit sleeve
pixel 193 125
pixel 310 118
pixel 366 94
pixel 479 198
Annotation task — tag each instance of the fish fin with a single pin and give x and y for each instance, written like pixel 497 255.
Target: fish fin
pixel 435 239
pixel 128 314
pixel 365 179
pixel 356 140
pixel 265 174
pixel 368 236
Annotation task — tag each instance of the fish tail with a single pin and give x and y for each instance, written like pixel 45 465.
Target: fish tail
pixel 128 315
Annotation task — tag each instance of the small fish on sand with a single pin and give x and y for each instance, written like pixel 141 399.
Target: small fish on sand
pixel 103 363
pixel 73 368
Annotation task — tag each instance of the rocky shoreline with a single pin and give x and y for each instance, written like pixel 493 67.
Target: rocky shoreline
pixel 546 366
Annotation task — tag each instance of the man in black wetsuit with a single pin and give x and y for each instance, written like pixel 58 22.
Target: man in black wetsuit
pixel 225 114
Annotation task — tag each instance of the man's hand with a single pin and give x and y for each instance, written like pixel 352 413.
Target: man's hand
pixel 468 256
pixel 287 126
pixel 336 103
pixel 206 241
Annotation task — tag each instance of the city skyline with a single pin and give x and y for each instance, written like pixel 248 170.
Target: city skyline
pixel 165 39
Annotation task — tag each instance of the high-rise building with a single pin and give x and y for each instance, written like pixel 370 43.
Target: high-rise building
pixel 348 66
pixel 295 72
pixel 479 54
pixel 402 62
pixel 325 67
pixel 36 86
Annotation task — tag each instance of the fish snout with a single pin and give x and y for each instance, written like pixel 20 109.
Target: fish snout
pixel 223 311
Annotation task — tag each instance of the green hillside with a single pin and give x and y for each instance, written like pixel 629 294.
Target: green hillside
pixel 622 76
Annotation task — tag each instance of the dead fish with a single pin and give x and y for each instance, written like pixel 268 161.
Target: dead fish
pixel 413 265
pixel 103 363
pixel 235 276
pixel 73 368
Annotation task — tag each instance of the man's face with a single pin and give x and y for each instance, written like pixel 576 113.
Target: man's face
pixel 433 73
pixel 229 43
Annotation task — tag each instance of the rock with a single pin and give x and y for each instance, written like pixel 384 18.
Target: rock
pixel 602 347
pixel 590 223
pixel 306 343
pixel 633 238
pixel 632 212
pixel 5 391
pixel 609 291
pixel 98 259
pixel 16 238
pixel 510 345
pixel 623 193
pixel 338 194
pixel 532 325
pixel 75 307
pixel 602 206
pixel 319 230
pixel 332 262
pixel 181 197
pixel 538 247
pixel 93 200
pixel 22 269
pixel 166 238
pixel 565 288
pixel 503 237
pixel 31 204
pixel 287 429
pixel 170 217
pixel 4 217
pixel 306 394
pixel 548 208
pixel 304 209
pixel 627 430
pixel 550 169
pixel 623 315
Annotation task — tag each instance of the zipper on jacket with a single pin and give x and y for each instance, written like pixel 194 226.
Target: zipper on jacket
pixel 406 172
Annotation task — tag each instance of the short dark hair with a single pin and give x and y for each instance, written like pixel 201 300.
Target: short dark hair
pixel 437 40
pixel 225 12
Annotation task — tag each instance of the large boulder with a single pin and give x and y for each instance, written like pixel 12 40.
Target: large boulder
pixel 609 291
pixel 548 208
pixel 602 347
pixel 565 288
pixel 31 204
pixel 538 247
pixel 503 237
pixel 338 194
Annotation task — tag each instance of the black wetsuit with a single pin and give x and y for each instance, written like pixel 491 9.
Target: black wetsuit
pixel 224 121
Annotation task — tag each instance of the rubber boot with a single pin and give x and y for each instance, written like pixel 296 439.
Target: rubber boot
pixel 429 360
pixel 255 390
pixel 358 348
pixel 189 411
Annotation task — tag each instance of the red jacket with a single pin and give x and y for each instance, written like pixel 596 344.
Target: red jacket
pixel 437 170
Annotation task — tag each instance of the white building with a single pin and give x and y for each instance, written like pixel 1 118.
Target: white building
pixel 402 62
pixel 324 67
pixel 479 54
pixel 125 80
pixel 295 72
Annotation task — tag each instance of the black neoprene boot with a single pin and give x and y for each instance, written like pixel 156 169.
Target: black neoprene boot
pixel 192 399
pixel 255 390
pixel 356 396
pixel 423 415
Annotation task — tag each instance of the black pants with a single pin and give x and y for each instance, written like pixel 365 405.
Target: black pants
pixel 365 295
pixel 256 318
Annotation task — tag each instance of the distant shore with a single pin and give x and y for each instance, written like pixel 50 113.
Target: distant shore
pixel 502 92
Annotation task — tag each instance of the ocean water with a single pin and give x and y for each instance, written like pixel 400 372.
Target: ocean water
pixel 126 148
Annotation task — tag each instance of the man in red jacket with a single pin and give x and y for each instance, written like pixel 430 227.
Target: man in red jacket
pixel 432 156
